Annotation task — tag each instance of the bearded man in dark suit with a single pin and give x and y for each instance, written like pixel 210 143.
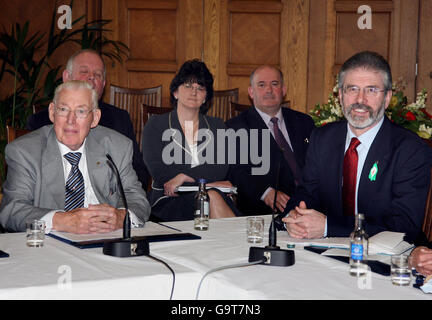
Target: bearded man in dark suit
pixel 365 164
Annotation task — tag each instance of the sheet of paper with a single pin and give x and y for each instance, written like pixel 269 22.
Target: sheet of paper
pixel 335 242
pixel 149 229
pixel 232 190
pixel 388 242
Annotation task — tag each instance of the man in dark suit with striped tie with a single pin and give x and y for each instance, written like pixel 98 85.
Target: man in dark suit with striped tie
pixel 59 173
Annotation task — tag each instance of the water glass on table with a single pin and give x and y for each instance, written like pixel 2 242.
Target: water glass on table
pixel 400 270
pixel 255 229
pixel 35 233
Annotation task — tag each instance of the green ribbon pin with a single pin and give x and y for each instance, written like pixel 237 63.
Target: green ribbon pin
pixel 373 172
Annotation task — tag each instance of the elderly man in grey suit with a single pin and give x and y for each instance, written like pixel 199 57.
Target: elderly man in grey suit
pixel 59 173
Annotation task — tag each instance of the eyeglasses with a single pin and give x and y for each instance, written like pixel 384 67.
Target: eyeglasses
pixel 190 86
pixel 369 92
pixel 79 113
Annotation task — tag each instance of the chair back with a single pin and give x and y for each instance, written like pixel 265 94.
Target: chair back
pixel 37 108
pixel 131 101
pixel 220 105
pixel 13 133
pixel 427 223
pixel 237 108
pixel 148 111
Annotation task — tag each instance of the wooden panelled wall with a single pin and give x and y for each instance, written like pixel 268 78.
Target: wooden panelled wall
pixel 307 39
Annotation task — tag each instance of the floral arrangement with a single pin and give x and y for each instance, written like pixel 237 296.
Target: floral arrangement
pixel 412 116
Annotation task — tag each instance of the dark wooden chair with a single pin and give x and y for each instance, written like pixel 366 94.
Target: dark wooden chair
pixel 148 111
pixel 38 107
pixel 237 108
pixel 427 223
pixel 13 133
pixel 131 101
pixel 220 105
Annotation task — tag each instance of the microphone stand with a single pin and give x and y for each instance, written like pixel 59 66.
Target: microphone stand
pixel 127 246
pixel 273 254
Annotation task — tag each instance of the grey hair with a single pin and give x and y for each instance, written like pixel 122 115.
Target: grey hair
pixel 367 60
pixel 266 66
pixel 70 62
pixel 76 85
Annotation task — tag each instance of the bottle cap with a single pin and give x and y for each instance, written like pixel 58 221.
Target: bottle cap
pixel 201 180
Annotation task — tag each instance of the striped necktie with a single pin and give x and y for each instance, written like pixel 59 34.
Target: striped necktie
pixel 74 190
pixel 286 150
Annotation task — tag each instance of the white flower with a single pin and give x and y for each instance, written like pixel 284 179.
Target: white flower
pixel 425 128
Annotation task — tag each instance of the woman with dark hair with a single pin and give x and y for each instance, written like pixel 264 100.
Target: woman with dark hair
pixel 180 147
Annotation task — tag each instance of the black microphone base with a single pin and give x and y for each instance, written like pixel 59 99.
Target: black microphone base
pixel 274 256
pixel 127 248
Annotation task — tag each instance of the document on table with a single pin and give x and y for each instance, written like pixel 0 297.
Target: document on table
pixel 386 242
pixel 150 229
pixel 192 188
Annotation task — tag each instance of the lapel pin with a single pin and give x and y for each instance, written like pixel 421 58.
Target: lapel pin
pixel 373 172
pixel 306 140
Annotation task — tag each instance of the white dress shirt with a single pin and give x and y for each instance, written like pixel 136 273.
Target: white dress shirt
pixel 89 194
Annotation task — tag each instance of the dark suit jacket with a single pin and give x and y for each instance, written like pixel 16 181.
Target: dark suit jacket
pixel 251 187
pixel 395 201
pixel 156 148
pixel 113 118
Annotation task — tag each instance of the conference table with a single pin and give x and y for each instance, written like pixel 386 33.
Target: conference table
pixel 61 271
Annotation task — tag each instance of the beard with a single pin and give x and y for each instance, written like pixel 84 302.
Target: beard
pixel 361 122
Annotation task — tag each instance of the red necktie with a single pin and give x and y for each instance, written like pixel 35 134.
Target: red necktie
pixel 350 177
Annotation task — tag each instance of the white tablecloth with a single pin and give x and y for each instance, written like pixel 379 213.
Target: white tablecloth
pixel 42 273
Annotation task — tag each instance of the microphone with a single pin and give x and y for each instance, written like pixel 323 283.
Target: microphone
pixel 127 246
pixel 273 254
pixel 127 222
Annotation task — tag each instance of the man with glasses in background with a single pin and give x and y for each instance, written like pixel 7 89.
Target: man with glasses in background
pixel 59 173
pixel 365 164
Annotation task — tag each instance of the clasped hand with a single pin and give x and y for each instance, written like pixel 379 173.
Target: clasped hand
pixel 99 218
pixel 305 223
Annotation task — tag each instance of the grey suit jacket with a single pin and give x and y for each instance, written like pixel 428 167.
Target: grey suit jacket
pixel 35 180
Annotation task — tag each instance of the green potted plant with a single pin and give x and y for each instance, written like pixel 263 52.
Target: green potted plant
pixel 33 76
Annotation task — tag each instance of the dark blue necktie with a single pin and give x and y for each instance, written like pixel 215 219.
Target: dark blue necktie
pixel 74 196
pixel 286 150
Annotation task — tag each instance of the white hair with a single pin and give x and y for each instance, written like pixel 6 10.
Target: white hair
pixel 75 85
pixel 70 62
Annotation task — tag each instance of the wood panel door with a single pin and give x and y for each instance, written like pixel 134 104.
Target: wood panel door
pixel 161 35
pixel 241 35
pixel 424 69
pixel 335 35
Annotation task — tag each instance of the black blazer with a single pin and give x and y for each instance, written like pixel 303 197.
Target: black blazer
pixel 395 201
pixel 113 118
pixel 251 187
pixel 159 146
